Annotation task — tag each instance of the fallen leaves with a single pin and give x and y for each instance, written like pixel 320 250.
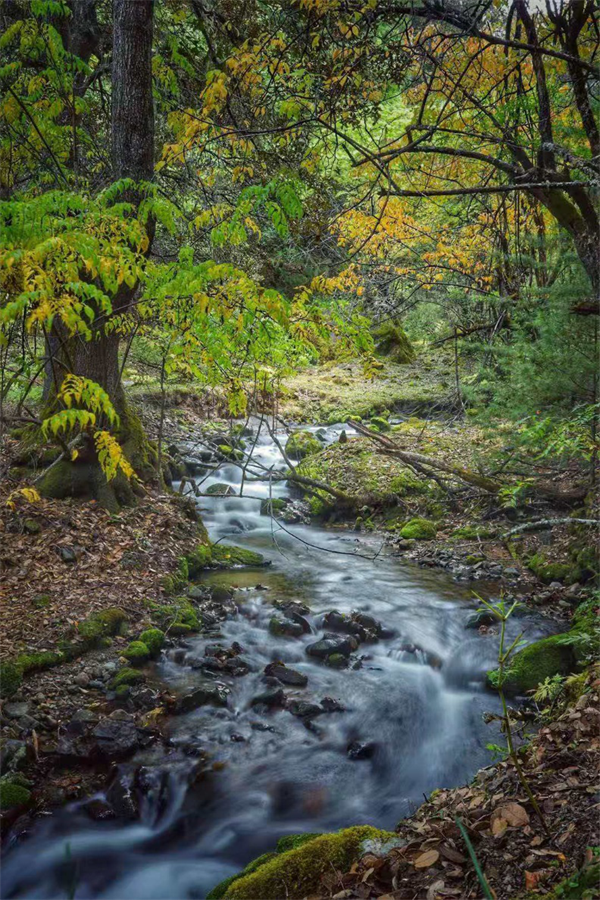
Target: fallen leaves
pixel 509 814
pixel 429 858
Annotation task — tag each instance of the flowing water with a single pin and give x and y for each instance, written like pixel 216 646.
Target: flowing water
pixel 415 704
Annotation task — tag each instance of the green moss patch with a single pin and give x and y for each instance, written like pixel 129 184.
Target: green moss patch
pixel 180 612
pixel 533 664
pixel 13 794
pixel 297 873
pixel 302 444
pixel 137 653
pixel 154 639
pixel 221 556
pixel 102 624
pixel 419 530
pixel 127 677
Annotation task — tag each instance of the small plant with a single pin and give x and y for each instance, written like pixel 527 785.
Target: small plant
pixel 503 614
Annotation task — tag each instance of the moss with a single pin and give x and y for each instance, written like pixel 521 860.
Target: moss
pixel 419 530
pixel 175 583
pixel 378 423
pixel 225 556
pixel 102 624
pixel 551 571
pixel 297 873
pixel 137 653
pixel 154 639
pixel 533 664
pixel 179 617
pixel 474 558
pixel 292 841
pixel 220 889
pixel 258 862
pixel 11 678
pixel 272 505
pixel 13 794
pixel 406 483
pixel 302 444
pixel 391 340
pixel 200 558
pixel 127 677
pixel 41 659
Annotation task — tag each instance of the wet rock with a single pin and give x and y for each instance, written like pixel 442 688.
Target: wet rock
pixel 304 709
pixel 286 675
pixel 236 738
pixel 361 749
pixel 220 489
pixel 207 695
pixel 144 698
pixel 115 737
pixel 329 704
pixel 15 710
pixel 207 663
pixel 481 617
pixel 285 628
pixel 67 554
pixel 338 661
pixel 237 667
pixel 193 465
pixel 332 644
pixel 99 810
pixel 220 595
pixel 121 797
pixel 179 656
pixel 272 698
pixel 293 606
pixel 13 755
pixel 299 619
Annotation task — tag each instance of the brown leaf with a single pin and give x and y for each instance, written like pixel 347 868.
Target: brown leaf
pixel 433 889
pixel 498 824
pixel 532 879
pixel 515 814
pixel 452 854
pixel 429 858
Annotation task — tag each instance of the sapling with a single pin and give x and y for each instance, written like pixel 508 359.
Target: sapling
pixel 502 614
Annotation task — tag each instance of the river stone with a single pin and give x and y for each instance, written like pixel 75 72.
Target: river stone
pixel 207 695
pixel 237 667
pixel 122 797
pixel 332 644
pixel 329 704
pixel 481 617
pixel 361 749
pixel 220 489
pixel 15 710
pixel 115 738
pixel 271 698
pixel 285 628
pixel 286 675
pixel 304 709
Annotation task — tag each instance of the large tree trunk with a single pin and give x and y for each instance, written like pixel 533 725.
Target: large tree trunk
pixel 133 157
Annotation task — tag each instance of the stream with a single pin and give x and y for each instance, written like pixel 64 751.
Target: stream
pixel 412 717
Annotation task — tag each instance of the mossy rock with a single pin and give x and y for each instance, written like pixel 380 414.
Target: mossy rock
pixel 548 571
pixel 298 872
pixel 378 423
pixel 154 640
pixel 11 678
pixel 272 505
pixel 137 653
pixel 225 556
pixel 391 340
pixel 302 444
pixel 179 617
pixel 13 794
pixel 220 489
pixel 127 678
pixel 419 530
pixel 293 841
pixel 105 623
pixel 406 483
pixel 533 664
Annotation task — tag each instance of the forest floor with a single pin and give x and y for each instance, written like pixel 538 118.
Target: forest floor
pixel 66 563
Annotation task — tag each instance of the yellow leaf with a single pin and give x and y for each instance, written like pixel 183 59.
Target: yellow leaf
pixel 429 858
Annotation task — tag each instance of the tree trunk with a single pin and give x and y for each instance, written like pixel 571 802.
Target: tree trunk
pixel 133 157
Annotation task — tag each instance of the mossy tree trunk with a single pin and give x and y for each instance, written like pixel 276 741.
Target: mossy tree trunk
pixel 98 359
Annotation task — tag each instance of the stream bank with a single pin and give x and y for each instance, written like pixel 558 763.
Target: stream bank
pixel 252 596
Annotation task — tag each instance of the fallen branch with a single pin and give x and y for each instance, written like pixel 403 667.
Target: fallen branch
pixel 541 524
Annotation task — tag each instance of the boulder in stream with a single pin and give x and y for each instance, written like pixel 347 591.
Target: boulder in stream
pixel 332 644
pixel 304 709
pixel 285 628
pixel 286 675
pixel 207 695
